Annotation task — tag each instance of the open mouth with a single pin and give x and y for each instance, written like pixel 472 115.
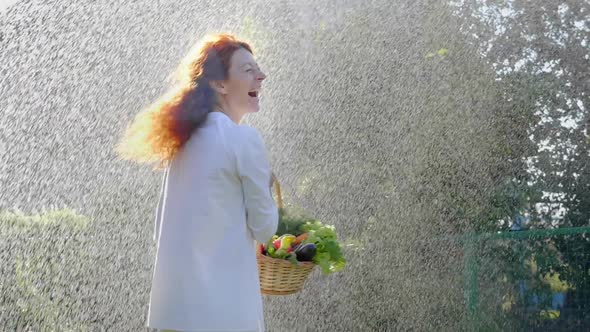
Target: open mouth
pixel 253 94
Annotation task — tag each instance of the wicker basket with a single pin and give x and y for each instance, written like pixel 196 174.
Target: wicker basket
pixel 279 276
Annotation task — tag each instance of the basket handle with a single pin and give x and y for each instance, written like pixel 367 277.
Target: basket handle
pixel 277 187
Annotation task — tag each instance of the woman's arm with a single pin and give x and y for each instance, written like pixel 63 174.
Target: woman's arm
pixel 254 171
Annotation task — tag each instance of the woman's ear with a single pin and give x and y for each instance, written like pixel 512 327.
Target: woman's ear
pixel 218 86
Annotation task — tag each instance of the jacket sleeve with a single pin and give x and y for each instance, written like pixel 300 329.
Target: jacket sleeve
pixel 254 172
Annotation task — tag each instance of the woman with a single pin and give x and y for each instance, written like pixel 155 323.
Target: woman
pixel 215 198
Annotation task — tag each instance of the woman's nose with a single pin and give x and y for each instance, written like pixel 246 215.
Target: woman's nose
pixel 261 76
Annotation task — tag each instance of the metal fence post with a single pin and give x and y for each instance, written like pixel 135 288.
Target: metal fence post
pixel 471 285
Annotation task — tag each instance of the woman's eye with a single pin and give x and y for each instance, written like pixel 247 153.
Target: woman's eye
pixel 249 70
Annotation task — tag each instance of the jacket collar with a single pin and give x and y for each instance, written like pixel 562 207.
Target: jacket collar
pixel 216 116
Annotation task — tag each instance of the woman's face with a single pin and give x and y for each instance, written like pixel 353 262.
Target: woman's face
pixel 241 90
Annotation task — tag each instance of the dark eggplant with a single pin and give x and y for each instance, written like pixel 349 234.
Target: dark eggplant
pixel 305 252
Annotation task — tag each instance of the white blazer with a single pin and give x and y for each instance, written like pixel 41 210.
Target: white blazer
pixel 215 201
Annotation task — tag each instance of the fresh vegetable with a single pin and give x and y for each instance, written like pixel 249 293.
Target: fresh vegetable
pixel 290 222
pixel 305 252
pixel 270 251
pixel 284 242
pixel 300 238
pixel 328 252
pixel 281 247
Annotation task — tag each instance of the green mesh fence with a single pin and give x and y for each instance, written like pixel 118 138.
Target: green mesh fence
pixel 528 280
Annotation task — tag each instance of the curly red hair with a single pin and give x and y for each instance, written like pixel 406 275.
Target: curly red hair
pixel 158 132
